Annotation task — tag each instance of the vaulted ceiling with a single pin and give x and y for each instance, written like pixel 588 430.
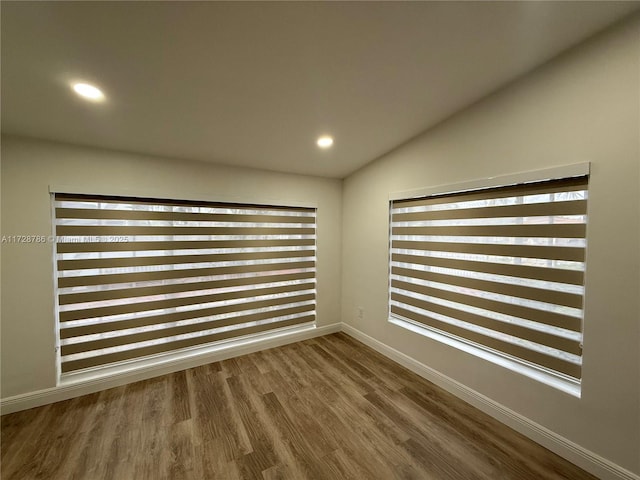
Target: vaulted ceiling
pixel 254 84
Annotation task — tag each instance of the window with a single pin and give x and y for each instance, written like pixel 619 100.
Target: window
pixel 140 277
pixel 499 269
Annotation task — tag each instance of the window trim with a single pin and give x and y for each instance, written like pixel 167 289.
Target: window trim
pixel 554 379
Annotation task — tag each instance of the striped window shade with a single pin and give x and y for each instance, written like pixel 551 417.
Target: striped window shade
pixel 140 277
pixel 501 269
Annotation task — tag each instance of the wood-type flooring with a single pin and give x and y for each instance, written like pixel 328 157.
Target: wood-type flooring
pixel 325 408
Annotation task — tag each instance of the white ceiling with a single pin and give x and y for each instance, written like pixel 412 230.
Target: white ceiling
pixel 253 84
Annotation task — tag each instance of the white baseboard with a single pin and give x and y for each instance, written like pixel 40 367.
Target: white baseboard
pixel 585 459
pixel 223 352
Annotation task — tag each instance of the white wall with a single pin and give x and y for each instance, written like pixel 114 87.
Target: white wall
pixel 584 106
pixel 30 166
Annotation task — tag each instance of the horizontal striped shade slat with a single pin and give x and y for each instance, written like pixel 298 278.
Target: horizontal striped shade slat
pixel 176 330
pixel 517 351
pixel 546 231
pixel 134 245
pixel 554 319
pixel 93 231
pixel 69 213
pixel 110 358
pixel 529 293
pixel 132 290
pixel 570 254
pixel 576 207
pixel 193 272
pixel 550 340
pixel 176 259
pixel 139 277
pixel 502 268
pixel 216 317
pixel 574 277
pixel 134 307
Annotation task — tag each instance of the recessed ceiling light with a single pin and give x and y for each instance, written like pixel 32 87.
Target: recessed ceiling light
pixel 325 141
pixel 88 91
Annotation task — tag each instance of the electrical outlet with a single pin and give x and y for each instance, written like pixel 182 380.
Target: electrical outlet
pixel 360 313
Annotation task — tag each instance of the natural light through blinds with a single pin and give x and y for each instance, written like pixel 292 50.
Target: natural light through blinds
pixel 500 268
pixel 140 277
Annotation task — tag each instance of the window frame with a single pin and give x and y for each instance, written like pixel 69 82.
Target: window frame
pixel 539 373
pixel 188 354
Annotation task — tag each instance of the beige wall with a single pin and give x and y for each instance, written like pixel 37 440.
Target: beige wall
pixel 29 167
pixel 582 107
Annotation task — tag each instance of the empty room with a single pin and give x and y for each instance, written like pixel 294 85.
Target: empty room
pixel 320 240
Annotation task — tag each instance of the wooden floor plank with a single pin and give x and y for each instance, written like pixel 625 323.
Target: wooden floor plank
pixel 180 404
pixel 262 455
pixel 324 408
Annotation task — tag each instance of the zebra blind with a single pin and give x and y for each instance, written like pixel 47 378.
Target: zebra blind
pixel 501 268
pixel 139 277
